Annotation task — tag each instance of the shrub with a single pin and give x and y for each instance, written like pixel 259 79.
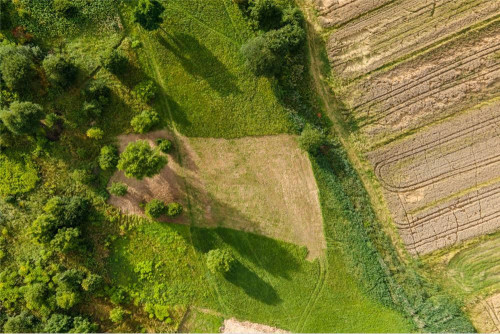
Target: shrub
pixel 35 296
pixel 266 14
pixel 118 296
pixel 108 157
pixel 293 16
pixel 69 280
pixel 139 160
pixel 146 90
pixel 82 325
pixel 51 120
pixel 148 14
pixel 67 299
pixel 220 260
pixel 160 312
pixel 118 189
pixel 117 315
pixel 93 283
pixel 311 139
pixel 65 8
pixel 260 58
pixel 95 133
pixel 155 208
pixel 145 121
pixel 22 117
pixel 164 145
pixel 22 323
pixel 66 239
pixel 145 270
pixel 59 71
pixel 92 109
pixel 115 62
pixel 57 323
pixel 98 91
pixel 174 209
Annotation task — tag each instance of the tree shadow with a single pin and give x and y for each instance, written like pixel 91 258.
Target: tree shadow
pixel 199 61
pixel 254 286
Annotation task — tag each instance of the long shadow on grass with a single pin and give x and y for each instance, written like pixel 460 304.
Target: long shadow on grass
pixel 253 285
pixel 199 61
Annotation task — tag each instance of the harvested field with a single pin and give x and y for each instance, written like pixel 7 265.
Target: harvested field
pixel 486 315
pixel 438 84
pixel 442 183
pixel 398 29
pixel 234 326
pixel 245 184
pixel 335 12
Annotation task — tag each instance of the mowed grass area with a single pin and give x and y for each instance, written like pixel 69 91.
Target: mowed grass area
pixel 195 58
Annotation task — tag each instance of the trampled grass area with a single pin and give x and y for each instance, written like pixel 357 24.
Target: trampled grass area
pixel 209 90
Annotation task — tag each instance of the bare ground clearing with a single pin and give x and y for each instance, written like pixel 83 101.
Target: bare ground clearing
pixel 263 185
pixel 441 183
pixel 234 326
pixel 335 12
pixel 486 315
pixel 400 28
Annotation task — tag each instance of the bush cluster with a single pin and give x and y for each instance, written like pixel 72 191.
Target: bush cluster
pixel 118 189
pixel 164 145
pixel 145 121
pixel 22 117
pixel 220 261
pixel 108 157
pixel 146 90
pixel 59 70
pixel 139 160
pixel 115 62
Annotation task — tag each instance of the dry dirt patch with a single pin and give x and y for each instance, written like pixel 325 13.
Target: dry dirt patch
pixel 486 315
pixel 263 185
pixel 234 326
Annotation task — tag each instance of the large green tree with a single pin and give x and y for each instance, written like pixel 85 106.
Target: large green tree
pixel 139 160
pixel 22 117
pixel 148 14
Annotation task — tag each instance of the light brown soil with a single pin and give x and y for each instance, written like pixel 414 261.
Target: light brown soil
pixel 456 160
pixel 335 12
pixel 263 185
pixel 486 315
pixel 444 81
pixel 399 28
pixel 234 326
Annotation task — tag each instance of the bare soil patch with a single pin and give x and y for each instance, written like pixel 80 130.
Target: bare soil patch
pixel 335 12
pixel 263 185
pixel 234 326
pixel 399 28
pixel 486 315
pixel 441 184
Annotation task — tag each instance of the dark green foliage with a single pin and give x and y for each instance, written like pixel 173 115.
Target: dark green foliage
pixel 285 40
pixel 22 117
pixel 174 209
pixel 293 16
pixel 260 58
pixel 83 325
pixel 69 280
pixel 311 139
pixel 146 90
pixel 69 211
pixel 139 160
pixel 155 208
pixel 164 145
pixel 93 283
pixel 67 239
pixel 98 91
pixel 108 157
pixel 59 71
pixel 266 14
pixel 92 109
pixel 44 228
pixel 118 296
pixel 115 62
pixel 118 189
pixel 145 121
pixel 220 260
pixel 148 14
pixel 5 14
pixel 65 8
pixel 58 323
pixel 22 323
pixel 17 67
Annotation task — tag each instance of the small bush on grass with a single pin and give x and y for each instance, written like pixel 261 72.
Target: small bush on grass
pixel 155 208
pixel 115 62
pixel 146 90
pixel 158 311
pixel 139 160
pixel 118 189
pixel 164 145
pixel 95 133
pixel 220 261
pixel 311 139
pixel 145 121
pixel 174 209
pixel 108 157
pixel 261 60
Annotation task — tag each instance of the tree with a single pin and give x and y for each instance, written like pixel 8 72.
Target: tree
pixel 82 325
pixel 266 14
pixel 118 189
pixel 66 239
pixel 108 158
pixel 66 299
pixel 164 145
pixel 17 67
pixel 220 261
pixel 68 211
pixel 115 62
pixel 139 160
pixel 146 90
pixel 35 296
pixel 95 133
pixel 145 121
pixel 148 14
pixel 260 58
pixel 155 208
pixel 117 315
pixel 311 139
pixel 174 209
pixel 59 71
pixel 57 323
pixel 44 228
pixel 69 280
pixel 97 91
pixel 92 283
pixel 285 40
pixel 22 323
pixel 22 117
